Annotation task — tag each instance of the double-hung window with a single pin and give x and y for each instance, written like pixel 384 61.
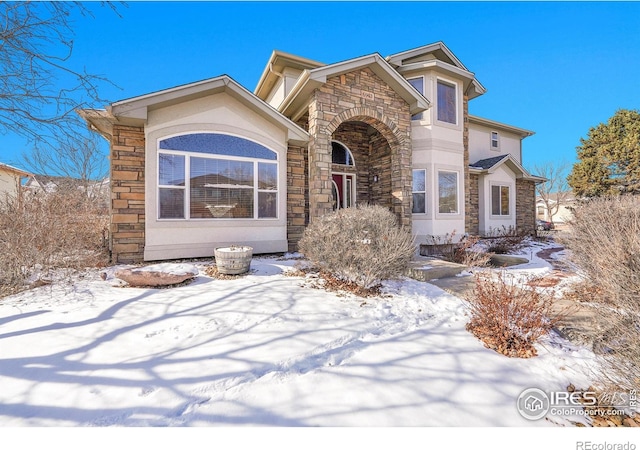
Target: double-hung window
pixel 216 176
pixel 419 191
pixel 447 111
pixel 495 140
pixel 448 192
pixel 499 200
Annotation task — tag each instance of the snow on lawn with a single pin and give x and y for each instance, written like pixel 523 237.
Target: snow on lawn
pixel 264 349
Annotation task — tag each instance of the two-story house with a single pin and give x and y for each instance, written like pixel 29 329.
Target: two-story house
pixel 209 163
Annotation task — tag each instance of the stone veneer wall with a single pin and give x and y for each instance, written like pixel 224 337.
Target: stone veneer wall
pixel 297 195
pixel 472 218
pixel 525 207
pixel 126 235
pixel 468 201
pixel 359 96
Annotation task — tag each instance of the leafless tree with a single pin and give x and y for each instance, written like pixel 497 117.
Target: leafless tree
pixel 40 87
pixel 555 191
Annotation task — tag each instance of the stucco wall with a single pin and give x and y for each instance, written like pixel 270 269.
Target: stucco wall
pixel 488 223
pixel 9 183
pixel 480 143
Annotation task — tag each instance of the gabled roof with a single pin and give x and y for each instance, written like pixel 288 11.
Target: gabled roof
pixel 500 126
pixel 489 165
pixel 296 101
pixel 276 64
pixel 15 170
pixel 437 55
pixel 134 111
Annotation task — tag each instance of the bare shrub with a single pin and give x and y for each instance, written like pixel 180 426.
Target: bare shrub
pixel 604 242
pixel 362 245
pixel 465 251
pixel 504 240
pixel 507 318
pixel 41 231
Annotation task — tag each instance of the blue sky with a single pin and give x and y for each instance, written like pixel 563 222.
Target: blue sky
pixel 557 68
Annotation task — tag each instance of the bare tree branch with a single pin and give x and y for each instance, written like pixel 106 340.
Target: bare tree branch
pixel 555 191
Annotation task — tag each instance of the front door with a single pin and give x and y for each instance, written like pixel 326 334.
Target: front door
pixel 344 190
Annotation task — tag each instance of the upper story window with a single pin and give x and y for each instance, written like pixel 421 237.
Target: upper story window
pixel 340 154
pixel 495 140
pixel 447 111
pixel 417 83
pixel 216 176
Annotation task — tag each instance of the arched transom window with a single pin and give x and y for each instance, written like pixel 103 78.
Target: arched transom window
pixel 340 154
pixel 216 176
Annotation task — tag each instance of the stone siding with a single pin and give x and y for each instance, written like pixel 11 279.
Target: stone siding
pixel 126 231
pixel 525 207
pixel 359 96
pixel 472 218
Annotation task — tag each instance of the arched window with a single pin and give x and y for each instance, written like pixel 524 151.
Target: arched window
pixel 216 176
pixel 340 154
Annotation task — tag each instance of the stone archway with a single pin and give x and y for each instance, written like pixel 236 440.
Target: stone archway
pixel 382 151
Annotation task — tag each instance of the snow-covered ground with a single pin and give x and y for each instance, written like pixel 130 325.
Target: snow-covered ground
pixel 264 349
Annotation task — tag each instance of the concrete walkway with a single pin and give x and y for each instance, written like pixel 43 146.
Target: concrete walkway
pixel 579 324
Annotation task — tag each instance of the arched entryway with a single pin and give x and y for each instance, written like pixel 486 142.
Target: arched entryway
pixel 360 166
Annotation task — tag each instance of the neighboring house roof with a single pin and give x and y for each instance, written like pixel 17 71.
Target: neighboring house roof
pixel 437 55
pixel 14 170
pixel 51 183
pixel 567 197
pixel 489 165
pixel 501 126
pixel 295 103
pixel 134 110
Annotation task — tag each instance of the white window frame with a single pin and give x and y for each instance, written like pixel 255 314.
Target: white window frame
pixel 344 187
pixel 496 140
pixel 437 180
pixel 353 160
pixel 454 85
pixel 420 115
pixel 187 184
pixel 426 203
pixel 509 190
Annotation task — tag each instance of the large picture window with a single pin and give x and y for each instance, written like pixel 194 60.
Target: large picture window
pixel 447 111
pixel 447 192
pixel 499 200
pixel 419 191
pixel 228 178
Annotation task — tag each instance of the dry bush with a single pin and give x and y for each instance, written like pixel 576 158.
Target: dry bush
pixel 42 231
pixel 464 252
pixel 362 245
pixel 507 318
pixel 604 242
pixel 504 240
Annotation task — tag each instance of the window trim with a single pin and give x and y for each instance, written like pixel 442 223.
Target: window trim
pixel 500 185
pixel 426 203
pixel 420 115
pixel 458 211
pixel 454 85
pixel 496 140
pixel 187 185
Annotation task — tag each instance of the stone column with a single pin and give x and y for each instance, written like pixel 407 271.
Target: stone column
pixel 127 194
pixel 525 207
